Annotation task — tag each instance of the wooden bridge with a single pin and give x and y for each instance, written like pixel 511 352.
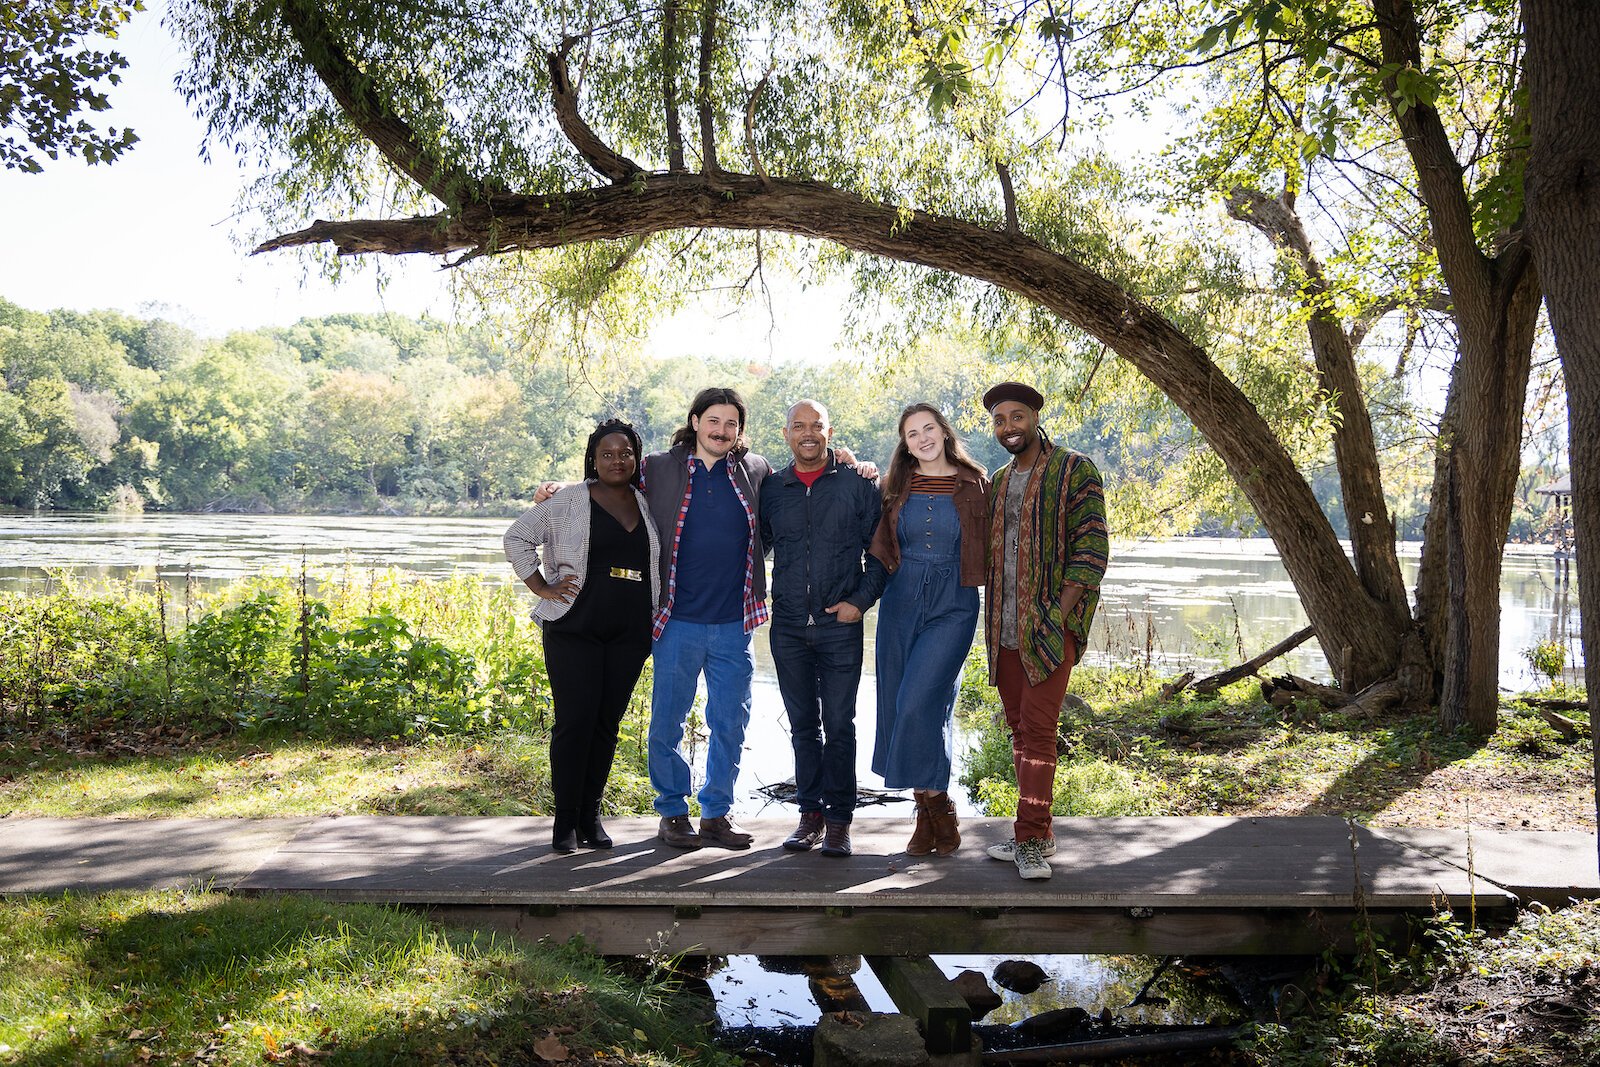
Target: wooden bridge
pixel 1121 885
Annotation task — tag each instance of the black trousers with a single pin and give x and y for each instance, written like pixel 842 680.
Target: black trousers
pixel 591 681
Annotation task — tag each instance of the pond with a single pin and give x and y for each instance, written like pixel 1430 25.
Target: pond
pixel 1166 605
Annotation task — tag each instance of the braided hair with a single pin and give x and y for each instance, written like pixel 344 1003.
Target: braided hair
pixel 604 430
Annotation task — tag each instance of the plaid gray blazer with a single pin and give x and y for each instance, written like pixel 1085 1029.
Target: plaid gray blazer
pixel 560 526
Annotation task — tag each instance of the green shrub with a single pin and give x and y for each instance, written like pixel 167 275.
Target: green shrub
pixel 367 654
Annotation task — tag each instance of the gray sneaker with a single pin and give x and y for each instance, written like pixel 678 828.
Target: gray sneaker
pixel 1030 859
pixel 1007 850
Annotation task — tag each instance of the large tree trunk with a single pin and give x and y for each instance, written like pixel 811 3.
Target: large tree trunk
pixel 1563 196
pixel 1485 454
pixel 1495 301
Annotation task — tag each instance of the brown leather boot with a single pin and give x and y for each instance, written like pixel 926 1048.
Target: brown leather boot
pixel 946 827
pixel 922 839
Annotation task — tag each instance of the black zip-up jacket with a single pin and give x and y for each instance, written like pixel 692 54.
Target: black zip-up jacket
pixel 818 537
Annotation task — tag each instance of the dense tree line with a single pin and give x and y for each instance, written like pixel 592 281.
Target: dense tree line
pixel 382 412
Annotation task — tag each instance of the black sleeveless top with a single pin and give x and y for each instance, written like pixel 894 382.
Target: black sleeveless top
pixel 612 605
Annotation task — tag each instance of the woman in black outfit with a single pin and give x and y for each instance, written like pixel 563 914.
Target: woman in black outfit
pixel 597 587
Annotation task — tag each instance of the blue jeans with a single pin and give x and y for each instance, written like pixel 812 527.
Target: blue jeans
pixel 819 671
pixel 681 654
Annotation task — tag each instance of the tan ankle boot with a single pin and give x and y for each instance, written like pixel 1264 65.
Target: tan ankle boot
pixel 946 827
pixel 922 838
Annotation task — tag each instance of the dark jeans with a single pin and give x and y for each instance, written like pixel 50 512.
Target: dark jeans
pixel 819 671
pixel 591 681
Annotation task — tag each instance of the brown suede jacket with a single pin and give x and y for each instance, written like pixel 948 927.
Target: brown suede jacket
pixel 972 508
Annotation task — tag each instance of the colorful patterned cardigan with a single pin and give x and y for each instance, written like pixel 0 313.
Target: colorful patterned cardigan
pixel 1062 539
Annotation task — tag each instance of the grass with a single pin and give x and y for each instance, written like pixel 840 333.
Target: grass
pixel 235 778
pixel 205 978
pixel 1125 751
pixel 1524 998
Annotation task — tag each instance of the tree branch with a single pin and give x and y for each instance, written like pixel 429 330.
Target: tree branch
pixel 1439 174
pixel 1010 196
pixel 750 126
pixel 354 92
pixel 595 152
pixel 669 87
pixel 708 127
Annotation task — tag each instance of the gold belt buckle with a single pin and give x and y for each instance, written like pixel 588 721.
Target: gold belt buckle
pixel 623 572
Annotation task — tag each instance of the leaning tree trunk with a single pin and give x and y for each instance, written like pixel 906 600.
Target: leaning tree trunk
pixel 1355 451
pixel 1564 221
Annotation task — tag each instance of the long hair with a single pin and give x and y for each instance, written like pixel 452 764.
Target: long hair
pixel 902 464
pixel 709 398
pixel 601 432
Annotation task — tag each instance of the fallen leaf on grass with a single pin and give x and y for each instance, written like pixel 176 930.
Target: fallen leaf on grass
pixel 550 1048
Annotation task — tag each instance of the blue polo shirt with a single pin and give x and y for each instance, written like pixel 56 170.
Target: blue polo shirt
pixel 713 550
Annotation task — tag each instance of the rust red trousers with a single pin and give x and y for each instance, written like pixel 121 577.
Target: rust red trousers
pixel 1032 712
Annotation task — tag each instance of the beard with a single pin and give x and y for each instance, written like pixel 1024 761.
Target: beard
pixel 1021 444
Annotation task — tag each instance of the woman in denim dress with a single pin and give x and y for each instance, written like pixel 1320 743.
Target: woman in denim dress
pixel 931 541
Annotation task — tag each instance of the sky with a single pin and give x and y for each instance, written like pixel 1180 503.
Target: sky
pixel 155 234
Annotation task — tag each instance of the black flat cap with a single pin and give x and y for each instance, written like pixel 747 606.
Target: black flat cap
pixel 1022 394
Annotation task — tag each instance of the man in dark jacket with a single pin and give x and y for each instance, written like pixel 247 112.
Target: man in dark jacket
pixel 817 519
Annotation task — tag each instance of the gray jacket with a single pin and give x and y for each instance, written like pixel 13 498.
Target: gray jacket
pixel 560 526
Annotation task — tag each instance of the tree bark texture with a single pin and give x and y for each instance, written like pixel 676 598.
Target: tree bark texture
pixel 1496 306
pixel 1563 198
pixel 1355 451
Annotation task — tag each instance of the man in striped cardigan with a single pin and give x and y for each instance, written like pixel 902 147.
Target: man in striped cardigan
pixel 1047 552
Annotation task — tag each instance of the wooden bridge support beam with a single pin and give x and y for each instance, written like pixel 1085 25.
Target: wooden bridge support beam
pixel 919 989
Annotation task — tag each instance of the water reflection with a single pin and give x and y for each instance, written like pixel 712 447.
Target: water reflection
pixel 758 991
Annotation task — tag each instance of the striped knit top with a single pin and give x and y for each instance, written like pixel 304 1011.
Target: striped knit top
pixel 941 485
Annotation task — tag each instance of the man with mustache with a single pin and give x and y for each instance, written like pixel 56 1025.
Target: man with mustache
pixel 704 495
pixel 817 518
pixel 1047 553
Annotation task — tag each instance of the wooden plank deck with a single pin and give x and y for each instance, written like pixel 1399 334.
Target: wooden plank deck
pixel 1195 885
pixel 1121 885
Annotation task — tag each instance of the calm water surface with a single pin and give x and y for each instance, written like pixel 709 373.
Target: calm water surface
pixel 1166 605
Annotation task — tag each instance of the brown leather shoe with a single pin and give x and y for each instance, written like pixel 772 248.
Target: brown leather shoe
pixel 676 831
pixel 836 839
pixel 946 827
pixel 921 842
pixel 807 834
pixel 723 832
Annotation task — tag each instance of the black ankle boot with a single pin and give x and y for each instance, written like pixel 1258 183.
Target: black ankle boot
pixel 564 834
pixel 590 833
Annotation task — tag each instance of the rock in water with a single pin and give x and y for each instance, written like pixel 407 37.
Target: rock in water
pixel 867 1039
pixel 976 991
pixel 1059 1025
pixel 1019 976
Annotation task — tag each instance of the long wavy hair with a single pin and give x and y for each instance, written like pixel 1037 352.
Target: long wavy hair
pixel 709 398
pixel 902 464
pixel 601 432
